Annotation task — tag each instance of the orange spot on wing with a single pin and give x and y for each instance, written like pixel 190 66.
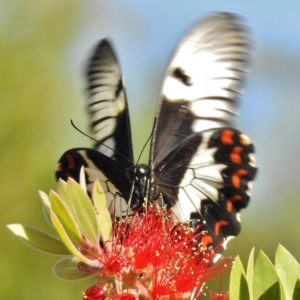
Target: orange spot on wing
pixel 226 137
pixel 235 155
pixel 59 168
pixel 207 239
pixel 229 206
pixel 231 200
pixel 236 177
pixel 235 198
pixel 219 225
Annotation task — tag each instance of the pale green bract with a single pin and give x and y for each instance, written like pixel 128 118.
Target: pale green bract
pixel 265 281
pixel 79 222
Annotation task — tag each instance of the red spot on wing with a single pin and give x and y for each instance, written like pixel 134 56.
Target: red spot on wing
pixel 219 225
pixel 71 161
pixel 230 201
pixel 235 155
pixel 236 177
pixel 226 137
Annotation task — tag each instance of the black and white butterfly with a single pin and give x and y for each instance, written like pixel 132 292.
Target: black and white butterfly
pixel 201 165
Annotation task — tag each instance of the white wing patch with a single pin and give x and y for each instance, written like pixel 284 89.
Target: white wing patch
pixel 108 147
pixel 107 97
pixel 202 180
pixel 212 108
pixel 208 69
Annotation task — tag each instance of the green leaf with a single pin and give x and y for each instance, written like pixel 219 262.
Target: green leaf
pixel 264 275
pixel 39 239
pixel 244 290
pixel 83 211
pixel 68 243
pixel 238 288
pixel 296 294
pixel 272 293
pixel 65 217
pixel 46 205
pixel 67 269
pixel 62 190
pixel 102 213
pixel 287 269
pixel 45 200
pixel 250 272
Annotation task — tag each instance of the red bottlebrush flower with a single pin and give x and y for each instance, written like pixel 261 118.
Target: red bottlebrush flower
pixel 126 296
pixel 147 255
pixel 151 256
pixel 94 293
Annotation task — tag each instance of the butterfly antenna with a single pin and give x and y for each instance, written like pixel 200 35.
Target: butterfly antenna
pixel 151 134
pixel 96 140
pixel 82 131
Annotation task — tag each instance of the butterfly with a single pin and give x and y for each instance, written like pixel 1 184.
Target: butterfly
pixel 201 165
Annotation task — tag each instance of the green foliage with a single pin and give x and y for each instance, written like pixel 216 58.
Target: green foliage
pixel 39 239
pixel 67 269
pixel 78 221
pixel 102 213
pixel 83 211
pixel 265 280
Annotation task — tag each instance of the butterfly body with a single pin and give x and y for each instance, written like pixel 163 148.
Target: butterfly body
pixel 200 164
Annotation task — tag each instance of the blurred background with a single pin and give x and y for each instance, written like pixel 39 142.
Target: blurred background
pixel 44 47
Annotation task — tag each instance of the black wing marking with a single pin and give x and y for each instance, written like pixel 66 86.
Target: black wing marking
pixel 107 105
pixel 203 82
pixel 114 179
pixel 208 177
pixel 110 123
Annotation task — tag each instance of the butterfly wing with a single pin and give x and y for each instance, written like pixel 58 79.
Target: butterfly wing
pixel 203 82
pixel 201 165
pixel 207 178
pixel 111 160
pixel 107 106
